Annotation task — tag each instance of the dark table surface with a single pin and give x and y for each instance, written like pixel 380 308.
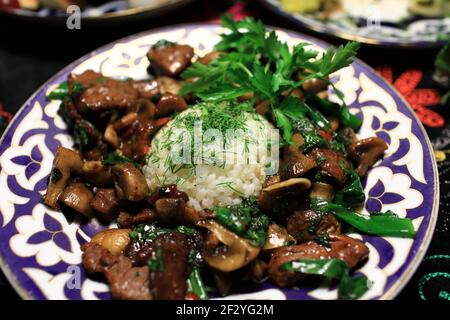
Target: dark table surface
pixel 30 54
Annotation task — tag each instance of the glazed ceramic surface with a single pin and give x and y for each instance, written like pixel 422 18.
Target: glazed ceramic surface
pixel 40 248
pixel 377 22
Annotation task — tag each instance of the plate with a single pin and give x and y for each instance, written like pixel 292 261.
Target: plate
pixel 375 22
pixel 110 11
pixel 40 248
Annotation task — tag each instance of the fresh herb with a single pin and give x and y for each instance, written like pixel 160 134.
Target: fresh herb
pixel 55 175
pixel 323 239
pixel 349 288
pixel 321 159
pixel 263 65
pixel 146 232
pixel 245 219
pixel 311 138
pixel 81 136
pixel 195 284
pixel 378 223
pixel 114 158
pixel 77 89
pixel 186 230
pixel 156 262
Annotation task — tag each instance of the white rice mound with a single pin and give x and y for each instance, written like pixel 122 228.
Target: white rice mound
pixel 247 157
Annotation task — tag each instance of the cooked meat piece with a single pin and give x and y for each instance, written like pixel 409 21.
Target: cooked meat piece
pixel 170 210
pixel 147 89
pixel 169 104
pixel 309 250
pixel 86 79
pixel 78 197
pixel 343 247
pixel 105 201
pixel 329 163
pixel 168 191
pixel 348 249
pixel 168 85
pixel 169 273
pixel 139 253
pixel 171 59
pixel 129 182
pixel 103 92
pixel 305 225
pixel 135 140
pixel 366 152
pixel 127 220
pixel 126 282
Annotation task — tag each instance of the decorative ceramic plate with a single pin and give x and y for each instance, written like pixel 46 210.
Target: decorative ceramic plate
pixel 40 248
pixel 114 10
pixel 376 22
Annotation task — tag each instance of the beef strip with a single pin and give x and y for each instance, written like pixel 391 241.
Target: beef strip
pixel 342 247
pixel 127 220
pixel 106 202
pixel 305 225
pixel 126 282
pixel 171 59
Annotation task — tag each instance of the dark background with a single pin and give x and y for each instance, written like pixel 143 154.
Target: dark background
pixel 31 53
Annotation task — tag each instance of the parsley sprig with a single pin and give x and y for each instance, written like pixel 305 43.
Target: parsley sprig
pixel 258 62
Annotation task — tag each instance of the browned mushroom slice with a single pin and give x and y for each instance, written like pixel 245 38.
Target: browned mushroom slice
pixel 277 237
pixel 66 162
pixel 322 191
pixel 297 166
pixel 281 198
pixel 366 152
pixel 97 174
pixel 213 55
pixel 114 240
pixel 330 163
pixel 171 59
pixel 129 182
pixel 170 211
pixel 168 85
pixel 231 252
pixel 78 197
pixel 306 225
pixel 110 135
pixel 127 220
pixel 105 201
pixel 169 104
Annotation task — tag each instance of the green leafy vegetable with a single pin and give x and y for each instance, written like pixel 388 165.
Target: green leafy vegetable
pixel 312 139
pixel 352 195
pixel 195 284
pixel 245 220
pixel 114 158
pixel 156 262
pixel 258 62
pixel 378 223
pixel 59 93
pixel 146 232
pixel 349 288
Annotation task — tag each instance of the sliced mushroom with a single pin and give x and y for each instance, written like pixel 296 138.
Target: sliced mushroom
pixel 233 251
pixel 110 135
pixel 127 220
pixel 366 152
pixel 115 240
pixel 126 121
pixel 96 173
pixel 66 162
pixel 330 163
pixel 129 182
pixel 314 85
pixel 322 191
pixel 277 237
pixel 169 104
pixel 78 197
pixel 279 199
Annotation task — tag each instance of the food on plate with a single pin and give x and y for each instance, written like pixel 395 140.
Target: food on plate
pixel 430 8
pixel 220 171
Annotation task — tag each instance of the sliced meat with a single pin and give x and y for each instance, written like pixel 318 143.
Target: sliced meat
pixel 306 225
pixel 139 253
pixel 101 93
pixel 343 247
pixel 366 152
pixel 330 163
pixel 170 210
pixel 106 202
pixel 309 250
pixel 168 282
pixel 126 282
pixel 171 59
pixel 127 220
pixel 147 89
pixel 169 104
